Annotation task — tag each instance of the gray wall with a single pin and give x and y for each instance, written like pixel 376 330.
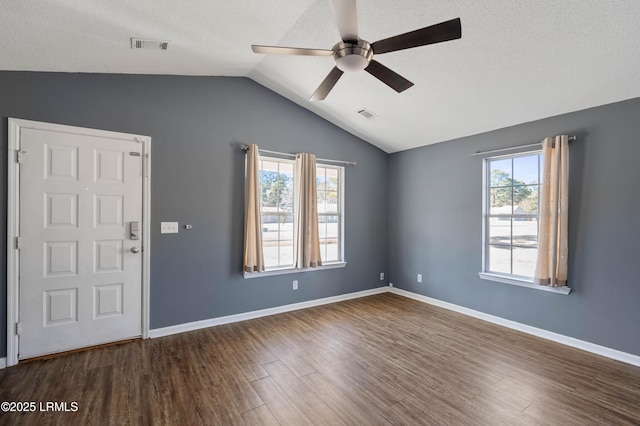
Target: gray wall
pixel 197 125
pixel 433 193
pixel 435 227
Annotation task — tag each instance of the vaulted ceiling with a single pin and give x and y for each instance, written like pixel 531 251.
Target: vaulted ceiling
pixel 517 61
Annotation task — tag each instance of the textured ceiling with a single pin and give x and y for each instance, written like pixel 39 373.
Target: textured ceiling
pixel 517 61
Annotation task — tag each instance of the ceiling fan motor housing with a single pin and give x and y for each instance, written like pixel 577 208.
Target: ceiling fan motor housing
pixel 352 56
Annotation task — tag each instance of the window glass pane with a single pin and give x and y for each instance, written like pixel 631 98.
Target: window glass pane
pixel 321 178
pixel 522 197
pixel 286 227
pixel 285 196
pixel 322 201
pixel 286 253
pixel 525 170
pixel 525 232
pixel 329 249
pixel 286 168
pixel 500 230
pixel 277 240
pixel 500 259
pixel 332 179
pixel 524 261
pixel 269 191
pixel 270 251
pixel 322 226
pixel 540 167
pixel 500 172
pixel 501 200
pixel 276 183
pixel 269 166
pixel 331 205
pixel 332 226
pixel 269 228
pixel 528 204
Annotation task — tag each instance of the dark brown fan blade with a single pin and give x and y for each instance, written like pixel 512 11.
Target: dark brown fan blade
pixel 327 84
pixel 281 50
pixel 444 31
pixel 388 77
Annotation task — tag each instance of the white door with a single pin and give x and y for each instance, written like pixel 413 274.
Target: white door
pixel 80 270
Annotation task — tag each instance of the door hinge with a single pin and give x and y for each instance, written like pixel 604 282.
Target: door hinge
pixel 19 156
pixel 18 243
pixel 18 328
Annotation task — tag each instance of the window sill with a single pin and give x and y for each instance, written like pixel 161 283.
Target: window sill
pixel 523 283
pixel 284 271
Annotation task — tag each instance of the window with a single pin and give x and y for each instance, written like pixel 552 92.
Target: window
pixel 276 188
pixel 277 198
pixel 329 207
pixel 511 200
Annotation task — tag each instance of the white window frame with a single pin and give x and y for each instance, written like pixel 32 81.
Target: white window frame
pixel 341 214
pixel 485 274
pixel 283 161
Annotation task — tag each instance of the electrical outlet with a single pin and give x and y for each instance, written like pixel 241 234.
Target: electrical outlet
pixel 419 278
pixel 295 284
pixel 390 284
pixel 381 276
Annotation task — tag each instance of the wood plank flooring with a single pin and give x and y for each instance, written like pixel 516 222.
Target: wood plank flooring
pixel 378 360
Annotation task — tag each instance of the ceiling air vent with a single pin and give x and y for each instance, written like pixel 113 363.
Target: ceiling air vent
pixel 367 114
pixel 139 43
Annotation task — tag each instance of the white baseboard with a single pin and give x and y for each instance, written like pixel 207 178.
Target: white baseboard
pixel 555 337
pixel 3 362
pixel 212 322
pixel 545 334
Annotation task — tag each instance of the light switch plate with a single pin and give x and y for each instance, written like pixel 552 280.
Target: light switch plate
pixel 168 227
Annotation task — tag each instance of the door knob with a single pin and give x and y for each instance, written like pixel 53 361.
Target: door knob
pixel 135 249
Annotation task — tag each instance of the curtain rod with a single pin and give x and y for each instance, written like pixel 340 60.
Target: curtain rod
pixel 286 154
pixel 491 151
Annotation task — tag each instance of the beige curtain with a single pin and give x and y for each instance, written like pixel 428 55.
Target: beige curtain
pixel 307 238
pixel 253 255
pixel 551 265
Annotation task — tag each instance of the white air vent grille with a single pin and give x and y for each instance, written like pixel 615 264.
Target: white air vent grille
pixel 138 43
pixel 367 114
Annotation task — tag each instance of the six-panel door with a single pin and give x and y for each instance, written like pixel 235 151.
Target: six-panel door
pixel 80 282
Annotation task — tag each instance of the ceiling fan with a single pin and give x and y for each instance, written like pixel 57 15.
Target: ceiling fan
pixel 355 54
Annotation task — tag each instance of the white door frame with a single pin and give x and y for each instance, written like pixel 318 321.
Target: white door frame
pixel 13 220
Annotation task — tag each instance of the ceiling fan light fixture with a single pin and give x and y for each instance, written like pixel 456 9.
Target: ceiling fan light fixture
pixel 352 57
pixel 353 54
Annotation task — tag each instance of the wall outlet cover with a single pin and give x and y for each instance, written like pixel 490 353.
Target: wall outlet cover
pixel 168 227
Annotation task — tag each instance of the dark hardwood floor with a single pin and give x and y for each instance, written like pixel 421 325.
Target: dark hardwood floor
pixel 378 360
